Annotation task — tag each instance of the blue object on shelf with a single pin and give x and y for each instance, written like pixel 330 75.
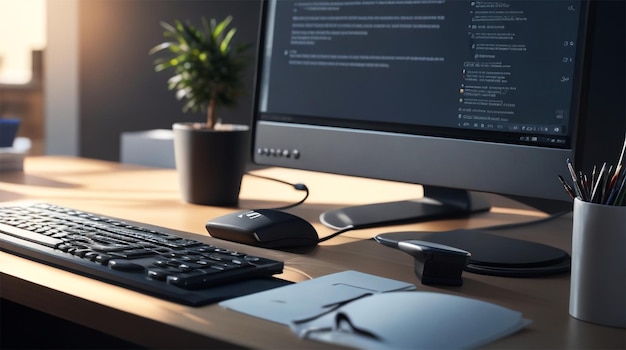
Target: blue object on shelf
pixel 8 131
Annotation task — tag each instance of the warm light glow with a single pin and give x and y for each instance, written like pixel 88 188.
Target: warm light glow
pixel 22 29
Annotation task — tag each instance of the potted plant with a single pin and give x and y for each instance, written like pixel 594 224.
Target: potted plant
pixel 207 73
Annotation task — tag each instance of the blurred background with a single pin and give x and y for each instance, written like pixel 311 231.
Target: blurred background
pixel 77 72
pixel 22 43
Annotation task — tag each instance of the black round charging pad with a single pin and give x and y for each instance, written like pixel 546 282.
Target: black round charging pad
pixel 496 255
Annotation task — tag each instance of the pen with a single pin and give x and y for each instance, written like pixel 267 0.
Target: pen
pixel 583 187
pixel 567 187
pixel 620 162
pixel 593 174
pixel 606 185
pixel 595 193
pixel 613 196
pixel 572 172
pixel 577 187
pixel 620 196
pixel 615 176
pixel 620 179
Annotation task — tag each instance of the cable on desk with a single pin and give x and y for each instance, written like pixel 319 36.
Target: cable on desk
pixel 303 187
pixel 343 230
pixel 526 223
pixel 297 186
pixel 488 228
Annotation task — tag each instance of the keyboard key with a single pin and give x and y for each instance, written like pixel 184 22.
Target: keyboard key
pixel 125 265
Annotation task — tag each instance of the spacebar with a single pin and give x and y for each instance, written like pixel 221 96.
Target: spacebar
pixel 30 236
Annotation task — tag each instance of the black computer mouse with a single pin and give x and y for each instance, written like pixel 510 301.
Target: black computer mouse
pixel 265 228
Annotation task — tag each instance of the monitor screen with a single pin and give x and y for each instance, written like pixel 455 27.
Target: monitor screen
pixel 458 96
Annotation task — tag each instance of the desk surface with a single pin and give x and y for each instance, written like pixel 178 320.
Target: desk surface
pixel 151 195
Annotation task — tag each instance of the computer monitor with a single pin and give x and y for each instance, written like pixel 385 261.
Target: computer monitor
pixel 458 96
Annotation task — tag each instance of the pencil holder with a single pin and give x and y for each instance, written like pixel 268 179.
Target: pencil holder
pixel 598 276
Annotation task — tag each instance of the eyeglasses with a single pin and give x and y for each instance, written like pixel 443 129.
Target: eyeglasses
pixel 342 321
pixel 342 324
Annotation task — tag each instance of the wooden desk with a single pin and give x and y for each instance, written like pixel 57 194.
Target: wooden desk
pixel 151 195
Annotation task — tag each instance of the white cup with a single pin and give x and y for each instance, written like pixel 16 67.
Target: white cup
pixel 598 276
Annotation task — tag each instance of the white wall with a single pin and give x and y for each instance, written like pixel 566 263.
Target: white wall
pixel 61 78
pixel 28 18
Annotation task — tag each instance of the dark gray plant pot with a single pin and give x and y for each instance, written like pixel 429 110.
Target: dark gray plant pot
pixel 210 163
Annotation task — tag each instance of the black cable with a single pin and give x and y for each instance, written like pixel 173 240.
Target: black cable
pixel 297 186
pixel 343 230
pixel 303 187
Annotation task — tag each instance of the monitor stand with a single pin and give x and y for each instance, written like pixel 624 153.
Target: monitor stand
pixel 437 203
pixel 491 254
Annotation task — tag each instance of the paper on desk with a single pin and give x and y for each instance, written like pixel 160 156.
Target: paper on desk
pixel 312 297
pixel 413 320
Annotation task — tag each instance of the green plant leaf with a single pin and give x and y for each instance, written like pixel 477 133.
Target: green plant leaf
pixel 207 68
pixel 168 27
pixel 226 42
pixel 160 47
pixel 219 29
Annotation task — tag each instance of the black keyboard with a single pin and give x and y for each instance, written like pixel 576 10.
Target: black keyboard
pixel 144 258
